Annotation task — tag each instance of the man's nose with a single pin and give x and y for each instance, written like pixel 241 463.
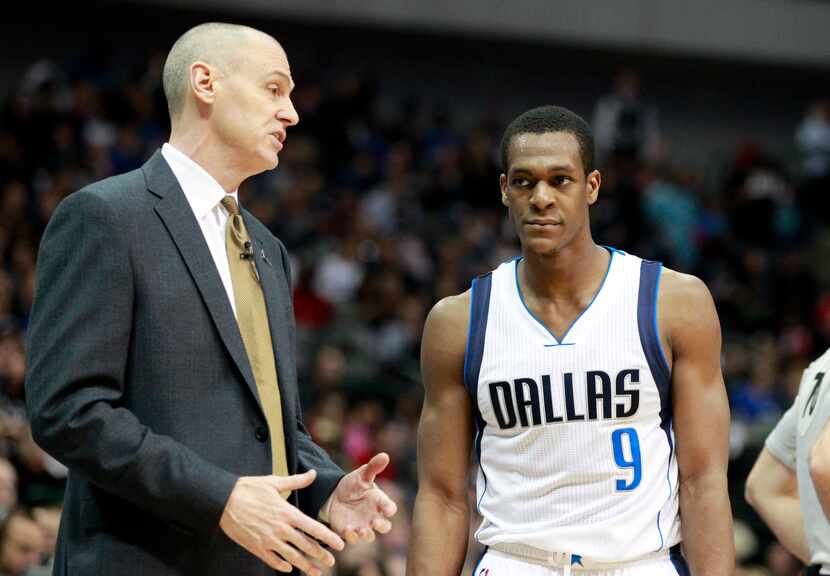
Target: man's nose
pixel 542 195
pixel 288 114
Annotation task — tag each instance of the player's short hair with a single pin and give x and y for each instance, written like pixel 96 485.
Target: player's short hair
pixel 546 119
pixel 213 42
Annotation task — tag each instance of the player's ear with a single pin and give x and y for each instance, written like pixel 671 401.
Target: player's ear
pixel 503 186
pixel 592 184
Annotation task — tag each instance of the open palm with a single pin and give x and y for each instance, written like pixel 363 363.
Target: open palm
pixel 358 507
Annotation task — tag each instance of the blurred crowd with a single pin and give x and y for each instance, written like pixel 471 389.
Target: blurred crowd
pixel 387 205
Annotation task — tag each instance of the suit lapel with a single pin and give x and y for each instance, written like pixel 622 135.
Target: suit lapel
pixel 180 222
pixel 277 298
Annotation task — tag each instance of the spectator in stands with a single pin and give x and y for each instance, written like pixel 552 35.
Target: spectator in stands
pixel 625 123
pixel 8 488
pixel 21 543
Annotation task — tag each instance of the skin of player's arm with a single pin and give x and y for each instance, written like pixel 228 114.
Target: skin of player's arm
pixel 819 461
pixel 440 523
pixel 772 489
pixel 690 324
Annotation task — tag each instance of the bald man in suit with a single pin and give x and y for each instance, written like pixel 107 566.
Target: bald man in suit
pixel 161 349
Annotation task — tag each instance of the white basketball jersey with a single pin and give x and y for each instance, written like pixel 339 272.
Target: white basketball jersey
pixel 574 437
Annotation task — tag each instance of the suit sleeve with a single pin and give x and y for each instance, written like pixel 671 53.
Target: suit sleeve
pixel 309 454
pixel 78 351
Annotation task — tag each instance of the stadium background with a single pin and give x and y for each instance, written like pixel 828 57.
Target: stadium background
pixel 387 194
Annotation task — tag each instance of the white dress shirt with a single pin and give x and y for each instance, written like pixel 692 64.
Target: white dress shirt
pixel 204 194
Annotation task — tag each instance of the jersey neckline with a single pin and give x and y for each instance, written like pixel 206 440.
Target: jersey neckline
pixel 561 342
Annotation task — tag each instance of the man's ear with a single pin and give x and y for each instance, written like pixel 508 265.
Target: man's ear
pixel 202 77
pixel 503 186
pixel 592 184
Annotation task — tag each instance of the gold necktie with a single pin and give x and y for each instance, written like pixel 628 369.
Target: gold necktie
pixel 252 317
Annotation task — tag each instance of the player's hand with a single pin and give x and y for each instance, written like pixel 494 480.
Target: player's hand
pixel 358 508
pixel 257 518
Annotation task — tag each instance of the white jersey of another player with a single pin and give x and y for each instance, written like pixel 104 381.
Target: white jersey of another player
pixel 574 436
pixel 791 442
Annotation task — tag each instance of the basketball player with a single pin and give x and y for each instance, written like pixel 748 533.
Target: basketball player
pixel 588 381
pixel 789 485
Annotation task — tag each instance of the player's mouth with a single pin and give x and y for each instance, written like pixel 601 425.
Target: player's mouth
pixel 542 223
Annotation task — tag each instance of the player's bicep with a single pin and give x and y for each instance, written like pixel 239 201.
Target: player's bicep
pixel 769 478
pixel 445 429
pixel 700 405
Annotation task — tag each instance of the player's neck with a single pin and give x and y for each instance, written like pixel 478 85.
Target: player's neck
pixel 565 275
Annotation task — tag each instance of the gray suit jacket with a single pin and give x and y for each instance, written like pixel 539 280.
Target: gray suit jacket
pixel 139 382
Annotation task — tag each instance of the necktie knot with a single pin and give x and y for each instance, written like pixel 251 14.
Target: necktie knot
pixel 229 202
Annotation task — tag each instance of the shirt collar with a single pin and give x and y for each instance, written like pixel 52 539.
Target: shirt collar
pixel 202 191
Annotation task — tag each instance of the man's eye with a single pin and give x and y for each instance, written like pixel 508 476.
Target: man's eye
pixel 560 180
pixel 275 90
pixel 520 182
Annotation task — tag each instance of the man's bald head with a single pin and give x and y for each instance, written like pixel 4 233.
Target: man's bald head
pixel 215 43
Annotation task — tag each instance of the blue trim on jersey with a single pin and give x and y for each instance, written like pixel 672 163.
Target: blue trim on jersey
pixel 480 558
pixel 656 329
pixel 467 348
pixel 479 308
pixel 679 561
pixel 612 251
pixel 650 340
pixel 647 325
pixel 480 424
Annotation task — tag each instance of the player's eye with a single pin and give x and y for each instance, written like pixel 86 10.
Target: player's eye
pixel 275 90
pixel 560 180
pixel 520 182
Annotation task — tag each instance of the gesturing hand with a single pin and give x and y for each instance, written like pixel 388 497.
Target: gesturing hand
pixel 357 507
pixel 257 518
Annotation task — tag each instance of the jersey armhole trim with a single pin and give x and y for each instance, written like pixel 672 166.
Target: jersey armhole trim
pixel 647 323
pixel 476 332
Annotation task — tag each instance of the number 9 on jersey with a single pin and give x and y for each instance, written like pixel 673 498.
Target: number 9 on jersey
pixel 626 446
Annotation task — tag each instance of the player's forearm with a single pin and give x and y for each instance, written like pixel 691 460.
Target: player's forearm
pixel 782 513
pixel 708 540
pixel 439 536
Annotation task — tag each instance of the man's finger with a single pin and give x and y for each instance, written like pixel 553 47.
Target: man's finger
pixel 374 467
pixel 316 530
pixel 350 534
pixel 295 482
pixel 309 547
pixel 386 505
pixel 381 525
pixel 274 561
pixel 366 534
pixel 292 555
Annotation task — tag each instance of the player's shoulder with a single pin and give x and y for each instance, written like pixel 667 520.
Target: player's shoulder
pixel 686 309
pixel 451 311
pixel 682 290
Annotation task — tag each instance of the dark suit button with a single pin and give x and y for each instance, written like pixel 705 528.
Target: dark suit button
pixel 261 433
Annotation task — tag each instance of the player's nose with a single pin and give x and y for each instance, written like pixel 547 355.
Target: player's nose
pixel 543 195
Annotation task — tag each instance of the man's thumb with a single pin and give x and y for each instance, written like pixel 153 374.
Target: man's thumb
pixel 295 482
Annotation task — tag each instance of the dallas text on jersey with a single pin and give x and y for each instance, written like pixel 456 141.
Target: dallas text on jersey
pixel 519 401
